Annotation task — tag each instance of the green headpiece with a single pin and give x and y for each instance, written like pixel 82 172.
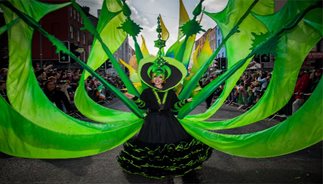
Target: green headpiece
pixel 159 66
pixel 173 70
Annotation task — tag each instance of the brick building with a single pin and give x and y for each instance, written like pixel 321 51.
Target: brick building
pixel 65 24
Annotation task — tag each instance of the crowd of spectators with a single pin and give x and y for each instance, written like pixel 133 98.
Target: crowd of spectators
pixel 253 83
pixel 246 93
pixel 249 89
pixel 59 85
pixel 97 91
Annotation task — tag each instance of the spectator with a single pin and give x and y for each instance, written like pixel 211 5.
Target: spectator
pixel 204 82
pixel 40 70
pixel 3 78
pixel 3 91
pixel 263 80
pixel 301 87
pixel 3 73
pixel 58 97
pixel 315 78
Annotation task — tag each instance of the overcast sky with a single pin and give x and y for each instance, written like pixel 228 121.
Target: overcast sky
pixel 145 13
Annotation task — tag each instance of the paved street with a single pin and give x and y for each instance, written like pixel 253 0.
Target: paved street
pixel 302 167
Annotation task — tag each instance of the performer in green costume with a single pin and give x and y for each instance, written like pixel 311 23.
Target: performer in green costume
pixel 32 127
pixel 162 147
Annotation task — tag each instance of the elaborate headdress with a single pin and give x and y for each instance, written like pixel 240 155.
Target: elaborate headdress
pixel 172 70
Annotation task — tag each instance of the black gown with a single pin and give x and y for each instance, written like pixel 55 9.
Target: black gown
pixel 162 147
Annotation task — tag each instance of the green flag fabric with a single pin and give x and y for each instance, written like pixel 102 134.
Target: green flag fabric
pixel 288 60
pixel 31 126
pixel 110 19
pixel 57 132
pixel 302 129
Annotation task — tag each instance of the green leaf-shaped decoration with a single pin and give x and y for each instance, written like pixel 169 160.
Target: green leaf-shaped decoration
pixel 125 9
pixel 198 9
pixel 130 27
pixel 160 43
pixel 268 47
pixel 191 27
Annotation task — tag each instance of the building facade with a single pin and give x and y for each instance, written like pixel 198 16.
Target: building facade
pixel 215 39
pixel 210 33
pixel 219 38
pixel 124 52
pixel 68 30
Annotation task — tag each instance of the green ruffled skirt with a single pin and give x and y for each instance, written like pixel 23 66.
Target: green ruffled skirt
pixel 163 160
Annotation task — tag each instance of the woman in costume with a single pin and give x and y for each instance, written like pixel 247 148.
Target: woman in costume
pixel 162 148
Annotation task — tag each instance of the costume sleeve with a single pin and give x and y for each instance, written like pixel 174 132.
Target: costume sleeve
pixel 140 103
pixel 177 106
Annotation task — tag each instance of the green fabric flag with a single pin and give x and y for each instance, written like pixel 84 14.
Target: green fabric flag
pixel 89 26
pixel 22 138
pixel 57 132
pixel 302 129
pixel 110 19
pixel 239 13
pixel 61 47
pixel 238 46
pixel 97 112
pixel 244 20
pixel 7 26
pixel 288 61
pixel 33 127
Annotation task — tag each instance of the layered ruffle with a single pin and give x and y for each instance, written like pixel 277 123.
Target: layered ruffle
pixel 160 161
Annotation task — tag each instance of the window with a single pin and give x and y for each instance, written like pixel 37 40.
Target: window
pixel 71 32
pixel 81 37
pixel 78 35
pixel 84 39
pixel 74 14
pixel 83 56
pixel 70 12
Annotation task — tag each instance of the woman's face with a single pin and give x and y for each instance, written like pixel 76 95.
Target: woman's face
pixel 51 85
pixel 158 79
